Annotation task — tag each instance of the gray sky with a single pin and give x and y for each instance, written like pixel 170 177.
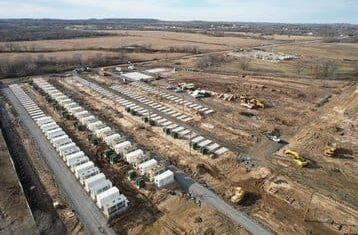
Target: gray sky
pixel 290 11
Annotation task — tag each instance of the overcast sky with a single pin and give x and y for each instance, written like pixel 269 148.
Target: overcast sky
pixel 290 11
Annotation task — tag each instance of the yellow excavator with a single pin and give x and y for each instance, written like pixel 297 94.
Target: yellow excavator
pixel 238 196
pixel 330 149
pixel 251 103
pixel 300 161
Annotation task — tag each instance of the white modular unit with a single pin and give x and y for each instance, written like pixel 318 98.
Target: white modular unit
pixel 54 133
pixel 115 206
pixel 107 196
pixel 69 150
pixel 72 163
pixel 87 119
pixel 100 187
pixel 99 132
pixel 111 138
pixel 131 157
pixel 65 101
pixel 70 157
pixel 91 181
pixel 64 147
pixel 122 147
pixel 49 127
pixel 87 174
pixel 82 168
pixel 92 126
pixel 80 114
pixel 145 167
pixel 44 120
pixel 164 179
pixel 60 140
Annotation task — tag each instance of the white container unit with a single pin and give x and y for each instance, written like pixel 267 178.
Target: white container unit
pixel 54 133
pixel 76 162
pixel 99 188
pixel 164 179
pixel 115 206
pixel 78 115
pixel 122 147
pixel 107 196
pixel 49 127
pixel 69 150
pixel 94 125
pixel 99 132
pixel 87 174
pixel 131 157
pixel 64 147
pixel 85 120
pixel 112 139
pixel 145 167
pixel 70 157
pixel 97 179
pixel 82 168
pixel 44 120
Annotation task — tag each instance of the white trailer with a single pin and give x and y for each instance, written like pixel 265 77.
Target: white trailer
pixel 72 156
pixel 122 147
pixel 100 187
pixel 164 179
pixel 72 163
pixel 82 168
pixel 107 196
pixel 131 157
pixel 91 181
pixel 54 133
pixel 110 139
pixel 145 167
pixel 87 174
pixel 99 132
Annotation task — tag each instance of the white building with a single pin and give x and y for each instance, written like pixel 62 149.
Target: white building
pixel 99 188
pixel 164 179
pixel 145 167
pixel 122 147
pixel 91 181
pixel 111 202
pixel 131 157
pixel 87 174
pixel 82 168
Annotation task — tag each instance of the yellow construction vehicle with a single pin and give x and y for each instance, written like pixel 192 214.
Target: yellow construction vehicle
pixel 251 103
pixel 301 162
pixel 330 149
pixel 238 196
pixel 257 103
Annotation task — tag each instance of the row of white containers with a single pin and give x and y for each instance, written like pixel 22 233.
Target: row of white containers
pixel 107 197
pixel 115 141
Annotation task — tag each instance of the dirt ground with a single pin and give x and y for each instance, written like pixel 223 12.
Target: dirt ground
pixel 17 218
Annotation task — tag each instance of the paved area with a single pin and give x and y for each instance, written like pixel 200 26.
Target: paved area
pixel 92 219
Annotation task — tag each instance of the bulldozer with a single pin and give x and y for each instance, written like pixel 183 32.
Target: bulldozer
pixel 300 161
pixel 330 149
pixel 238 196
pixel 257 103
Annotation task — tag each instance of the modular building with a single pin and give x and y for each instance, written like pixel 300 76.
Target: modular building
pixel 145 167
pixel 131 157
pixel 74 161
pixel 115 207
pixel 94 125
pixel 64 147
pixel 61 140
pixel 49 127
pixel 99 188
pixel 107 196
pixel 99 132
pixel 87 174
pixel 122 147
pixel 68 158
pixel 112 140
pixel 44 120
pixel 82 168
pixel 164 179
pixel 91 181
pixel 86 119
pixel 68 151
pixel 54 133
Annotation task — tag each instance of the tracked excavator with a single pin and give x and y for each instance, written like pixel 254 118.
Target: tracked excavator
pixel 300 161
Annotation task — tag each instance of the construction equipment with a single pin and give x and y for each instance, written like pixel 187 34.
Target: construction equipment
pixel 330 149
pixel 301 162
pixel 251 103
pixel 238 196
